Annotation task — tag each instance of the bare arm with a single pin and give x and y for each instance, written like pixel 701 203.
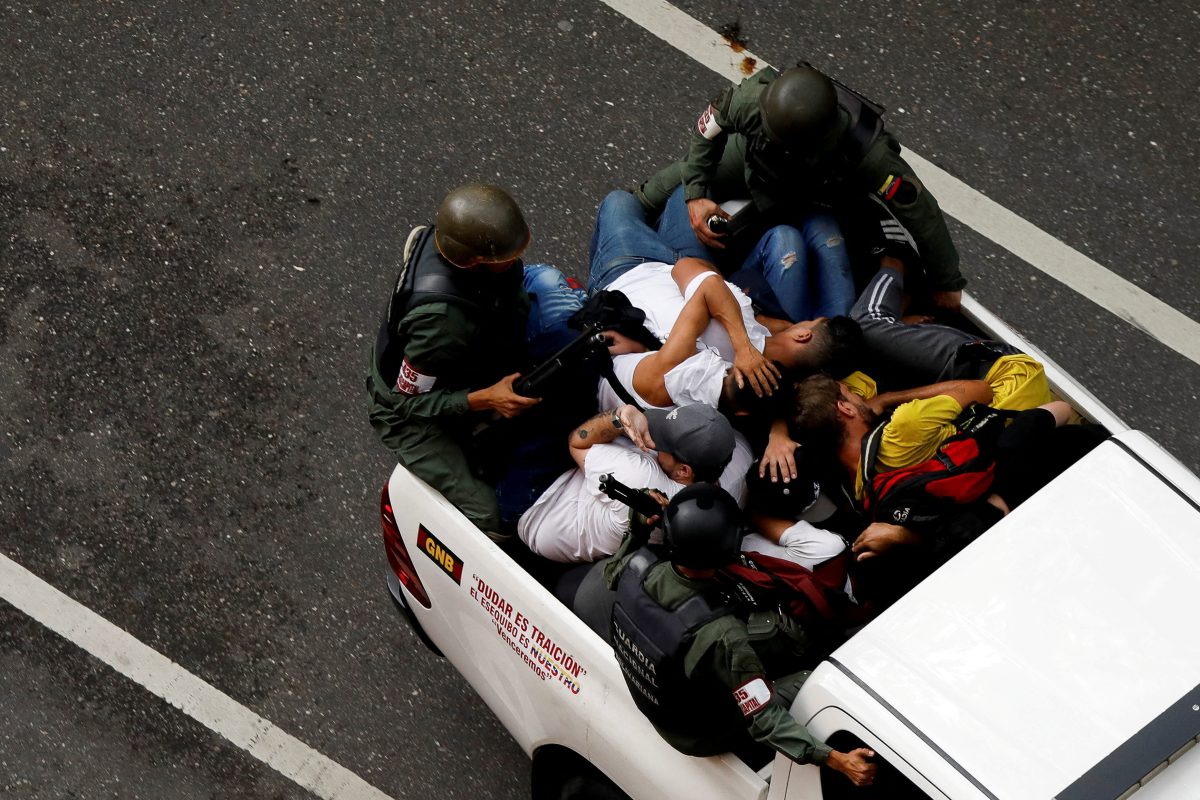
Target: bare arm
pixel 964 392
pixel 601 430
pixel 649 377
pixel 879 537
pixel 1061 411
pixel 772 528
pixel 773 324
pixel 748 363
pixel 725 308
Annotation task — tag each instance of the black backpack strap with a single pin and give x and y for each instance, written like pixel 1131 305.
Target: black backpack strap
pixel 977 418
pixel 869 455
pixel 606 369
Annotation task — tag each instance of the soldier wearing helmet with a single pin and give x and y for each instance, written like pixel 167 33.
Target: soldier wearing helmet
pixel 798 143
pixel 452 342
pixel 686 652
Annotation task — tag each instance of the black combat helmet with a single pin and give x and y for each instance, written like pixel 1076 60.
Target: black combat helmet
pixel 799 107
pixel 703 527
pixel 480 224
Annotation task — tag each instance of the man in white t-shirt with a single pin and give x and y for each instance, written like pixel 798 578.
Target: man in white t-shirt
pixel 574 521
pixel 710 334
pixel 715 348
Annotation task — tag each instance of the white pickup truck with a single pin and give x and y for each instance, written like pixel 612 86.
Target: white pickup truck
pixel 1058 656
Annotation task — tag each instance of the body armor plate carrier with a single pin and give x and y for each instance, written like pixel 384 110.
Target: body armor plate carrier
pixel 427 277
pixel 651 643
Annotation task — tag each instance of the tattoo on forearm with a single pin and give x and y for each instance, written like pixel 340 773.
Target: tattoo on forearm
pixel 582 433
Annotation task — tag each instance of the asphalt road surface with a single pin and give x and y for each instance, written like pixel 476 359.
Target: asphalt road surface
pixel 200 210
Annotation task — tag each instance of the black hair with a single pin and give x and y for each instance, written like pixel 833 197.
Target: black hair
pixel 840 344
pixel 734 400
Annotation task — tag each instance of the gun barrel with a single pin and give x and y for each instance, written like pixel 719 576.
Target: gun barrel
pixel 640 502
pixel 588 342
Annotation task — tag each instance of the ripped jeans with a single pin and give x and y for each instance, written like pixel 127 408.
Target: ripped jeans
pixel 803 273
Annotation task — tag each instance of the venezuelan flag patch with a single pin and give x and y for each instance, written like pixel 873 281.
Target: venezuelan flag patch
pixel 890 186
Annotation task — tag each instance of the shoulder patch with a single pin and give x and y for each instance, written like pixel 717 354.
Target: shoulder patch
pixel 753 696
pixel 890 186
pixel 707 125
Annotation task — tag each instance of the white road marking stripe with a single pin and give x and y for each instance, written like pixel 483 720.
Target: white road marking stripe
pixel 970 207
pixel 280 751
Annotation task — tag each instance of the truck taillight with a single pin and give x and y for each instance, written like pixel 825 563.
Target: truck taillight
pixel 397 555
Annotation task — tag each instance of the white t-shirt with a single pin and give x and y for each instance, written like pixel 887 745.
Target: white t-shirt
pixel 574 521
pixel 803 543
pixel 651 288
pixel 697 379
pixel 623 368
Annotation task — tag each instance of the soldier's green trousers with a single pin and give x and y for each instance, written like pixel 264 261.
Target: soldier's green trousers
pixel 435 455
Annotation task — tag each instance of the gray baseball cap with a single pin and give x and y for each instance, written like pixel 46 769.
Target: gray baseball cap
pixel 697 434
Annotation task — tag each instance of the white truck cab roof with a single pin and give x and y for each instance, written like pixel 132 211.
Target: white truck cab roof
pixel 1058 655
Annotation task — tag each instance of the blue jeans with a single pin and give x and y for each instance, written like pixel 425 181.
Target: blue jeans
pixel 552 301
pixel 535 441
pixel 802 272
pixel 621 240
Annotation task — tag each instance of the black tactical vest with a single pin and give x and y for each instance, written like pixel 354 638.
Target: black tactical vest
pixel 650 644
pixel 774 168
pixel 427 277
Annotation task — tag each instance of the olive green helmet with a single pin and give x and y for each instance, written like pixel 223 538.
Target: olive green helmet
pixel 480 224
pixel 799 107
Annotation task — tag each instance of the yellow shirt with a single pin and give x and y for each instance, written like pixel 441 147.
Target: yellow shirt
pixel 914 433
pixel 918 427
pixel 1018 383
pixel 861 384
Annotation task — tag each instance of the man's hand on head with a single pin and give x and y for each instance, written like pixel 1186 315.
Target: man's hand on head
pixel 779 459
pixel 751 365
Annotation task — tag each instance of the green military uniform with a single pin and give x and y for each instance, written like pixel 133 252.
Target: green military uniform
pixel 448 350
pixel 724 650
pixel 731 156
